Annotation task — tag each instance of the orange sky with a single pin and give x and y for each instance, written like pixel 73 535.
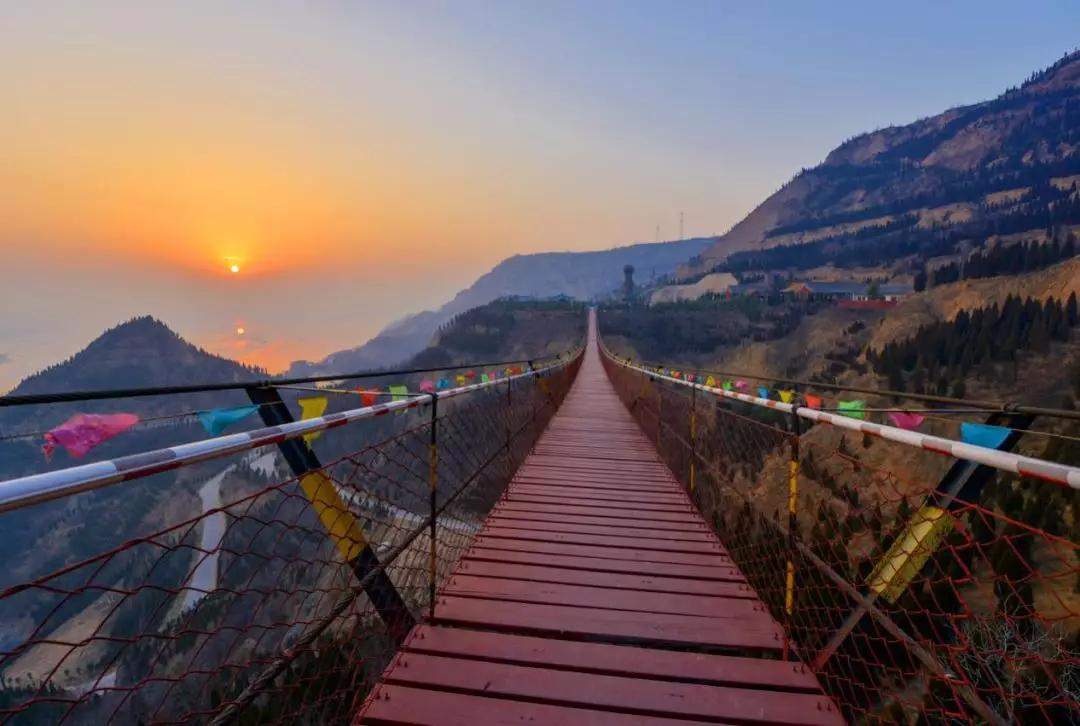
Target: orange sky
pixel 367 160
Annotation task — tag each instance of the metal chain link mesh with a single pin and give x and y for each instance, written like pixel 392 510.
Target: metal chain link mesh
pixel 911 604
pixel 253 610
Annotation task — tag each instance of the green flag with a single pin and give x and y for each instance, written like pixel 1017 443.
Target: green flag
pixel 852 409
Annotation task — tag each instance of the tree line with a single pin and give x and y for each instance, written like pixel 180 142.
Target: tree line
pixel 1000 260
pixel 940 356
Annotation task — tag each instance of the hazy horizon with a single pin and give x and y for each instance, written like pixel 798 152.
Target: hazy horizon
pixel 359 163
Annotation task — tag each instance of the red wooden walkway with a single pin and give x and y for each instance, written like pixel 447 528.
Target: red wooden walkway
pixel 596 594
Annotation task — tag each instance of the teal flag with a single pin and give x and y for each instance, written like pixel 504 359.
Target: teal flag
pixel 852 409
pixel 983 435
pixel 443 383
pixel 762 392
pixel 220 419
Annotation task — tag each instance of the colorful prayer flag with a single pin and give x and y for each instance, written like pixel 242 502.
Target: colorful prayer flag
pixel 691 377
pixel 470 375
pixel 812 401
pixel 84 431
pixel 367 398
pixel 787 396
pixel 484 378
pixel 427 387
pixel 907 420
pixel 741 384
pixel 710 382
pixel 312 408
pixel 991 437
pixel 443 383
pixel 726 385
pixel 219 419
pixel 762 392
pixel 852 409
pixel 460 379
pixel 400 393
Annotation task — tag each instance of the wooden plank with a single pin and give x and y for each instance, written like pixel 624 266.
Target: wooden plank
pixel 630 582
pixel 609 506
pixel 608 625
pixel 394 705
pixel 609 495
pixel 615 693
pixel 560 483
pixel 509 506
pixel 675 535
pixel 729 573
pixel 622 660
pixel 644 543
pixel 636 524
pixel 624 554
pixel 705 606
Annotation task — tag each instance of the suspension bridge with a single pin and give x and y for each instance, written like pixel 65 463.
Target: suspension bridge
pixel 581 539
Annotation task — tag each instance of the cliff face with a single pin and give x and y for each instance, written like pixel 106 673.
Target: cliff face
pixel 956 161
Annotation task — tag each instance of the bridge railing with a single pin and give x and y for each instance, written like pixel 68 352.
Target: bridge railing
pixel 921 583
pixel 261 577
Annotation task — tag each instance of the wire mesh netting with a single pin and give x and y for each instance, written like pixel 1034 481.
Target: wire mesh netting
pixel 918 588
pixel 282 597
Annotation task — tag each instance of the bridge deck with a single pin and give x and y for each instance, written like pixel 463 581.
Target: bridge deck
pixel 596 594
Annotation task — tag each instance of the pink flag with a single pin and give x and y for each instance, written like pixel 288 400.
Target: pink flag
pixel 427 387
pixel 84 431
pixel 906 420
pixel 741 384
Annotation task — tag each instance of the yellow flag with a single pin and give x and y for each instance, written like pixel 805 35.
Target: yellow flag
pixel 787 396
pixel 343 527
pixel 910 552
pixel 710 382
pixel 460 380
pixel 312 408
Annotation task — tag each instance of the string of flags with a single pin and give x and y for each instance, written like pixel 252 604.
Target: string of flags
pixel 970 433
pixel 82 432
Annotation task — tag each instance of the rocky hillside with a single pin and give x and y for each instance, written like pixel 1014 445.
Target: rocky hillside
pixel 1000 171
pixel 578 275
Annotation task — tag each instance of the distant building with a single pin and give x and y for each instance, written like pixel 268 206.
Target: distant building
pixel 847 290
pixel 628 283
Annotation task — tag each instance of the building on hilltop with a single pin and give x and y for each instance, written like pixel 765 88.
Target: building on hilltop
pixel 848 291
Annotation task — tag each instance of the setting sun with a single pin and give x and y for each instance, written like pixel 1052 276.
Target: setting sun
pixel 234 268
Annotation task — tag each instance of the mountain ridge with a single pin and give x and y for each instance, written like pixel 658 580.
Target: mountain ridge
pixel 873 176
pixel 579 275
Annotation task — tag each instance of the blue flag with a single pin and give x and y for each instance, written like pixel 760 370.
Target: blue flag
pixel 762 392
pixel 220 419
pixel 983 435
pixel 443 383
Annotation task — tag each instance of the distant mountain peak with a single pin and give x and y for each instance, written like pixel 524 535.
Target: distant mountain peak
pixel 142 351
